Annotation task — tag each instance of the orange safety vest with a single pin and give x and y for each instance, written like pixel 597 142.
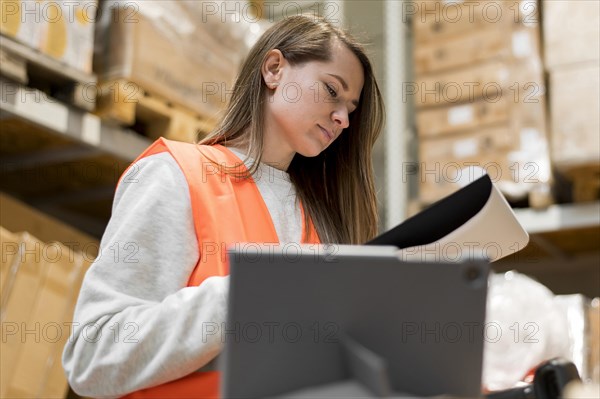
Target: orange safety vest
pixel 226 210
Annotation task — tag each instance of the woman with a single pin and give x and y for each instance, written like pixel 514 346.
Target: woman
pixel 303 117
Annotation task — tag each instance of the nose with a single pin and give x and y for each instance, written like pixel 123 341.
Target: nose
pixel 340 118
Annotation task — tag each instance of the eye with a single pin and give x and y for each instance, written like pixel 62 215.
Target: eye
pixel 331 91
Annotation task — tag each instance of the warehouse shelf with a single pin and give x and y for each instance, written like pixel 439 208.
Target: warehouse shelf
pixel 563 251
pixel 35 107
pixel 50 65
pixel 560 217
pixel 33 68
pixel 61 159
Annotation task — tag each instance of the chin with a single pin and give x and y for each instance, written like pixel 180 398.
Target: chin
pixel 312 151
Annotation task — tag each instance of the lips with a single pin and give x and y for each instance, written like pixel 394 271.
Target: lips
pixel 327 133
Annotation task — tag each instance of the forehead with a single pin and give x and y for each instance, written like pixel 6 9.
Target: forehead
pixel 345 64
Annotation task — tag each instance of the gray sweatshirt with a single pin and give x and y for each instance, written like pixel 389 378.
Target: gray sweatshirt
pixel 136 324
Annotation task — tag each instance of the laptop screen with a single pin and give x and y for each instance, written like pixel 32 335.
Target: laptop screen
pixel 351 316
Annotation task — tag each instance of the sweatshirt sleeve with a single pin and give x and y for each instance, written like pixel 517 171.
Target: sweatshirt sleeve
pixel 136 324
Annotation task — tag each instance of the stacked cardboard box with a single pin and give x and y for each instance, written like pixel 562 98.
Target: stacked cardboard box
pixel 176 51
pixel 479 94
pixel 61 29
pixel 571 53
pixel 39 285
pixel 18 24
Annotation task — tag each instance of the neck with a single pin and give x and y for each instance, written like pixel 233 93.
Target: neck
pixel 272 153
pixel 273 156
pixel 276 152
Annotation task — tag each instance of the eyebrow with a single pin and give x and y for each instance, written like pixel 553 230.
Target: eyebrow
pixel 344 85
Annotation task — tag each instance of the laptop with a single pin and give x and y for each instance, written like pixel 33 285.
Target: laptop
pixel 351 321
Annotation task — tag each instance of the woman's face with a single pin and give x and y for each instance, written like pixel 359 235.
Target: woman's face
pixel 308 105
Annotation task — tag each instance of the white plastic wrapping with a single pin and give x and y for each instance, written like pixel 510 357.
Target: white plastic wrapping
pixel 526 327
pixel 574 308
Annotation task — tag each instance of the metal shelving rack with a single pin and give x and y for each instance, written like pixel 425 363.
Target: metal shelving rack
pixel 44 141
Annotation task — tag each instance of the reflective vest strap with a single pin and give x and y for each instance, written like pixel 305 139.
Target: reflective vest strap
pixel 199 384
pixel 314 237
pixel 227 210
pixel 155 148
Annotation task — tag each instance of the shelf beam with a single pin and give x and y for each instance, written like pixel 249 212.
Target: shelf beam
pixel 36 107
pixel 41 158
pixel 560 217
pixel 98 193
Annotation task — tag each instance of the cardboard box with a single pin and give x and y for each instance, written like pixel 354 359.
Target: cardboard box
pixel 43 293
pixel 21 20
pixel 475 47
pixel 61 29
pixel 184 64
pixel 55 383
pixel 9 243
pixel 571 32
pixel 36 315
pixel 437 20
pixel 49 318
pixel 464 85
pixel 67 32
pixel 440 121
pixel 527 109
pixel 575 115
pixel 489 80
pixel 18 306
pixel 515 158
pixel 17 216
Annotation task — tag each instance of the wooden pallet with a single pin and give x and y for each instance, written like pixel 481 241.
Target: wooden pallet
pixel 28 66
pixel 125 103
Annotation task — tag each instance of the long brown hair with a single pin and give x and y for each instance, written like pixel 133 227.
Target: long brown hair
pixel 336 187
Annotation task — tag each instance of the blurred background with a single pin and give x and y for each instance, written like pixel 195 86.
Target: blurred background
pixel 506 87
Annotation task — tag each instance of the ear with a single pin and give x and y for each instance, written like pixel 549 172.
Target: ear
pixel 271 68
